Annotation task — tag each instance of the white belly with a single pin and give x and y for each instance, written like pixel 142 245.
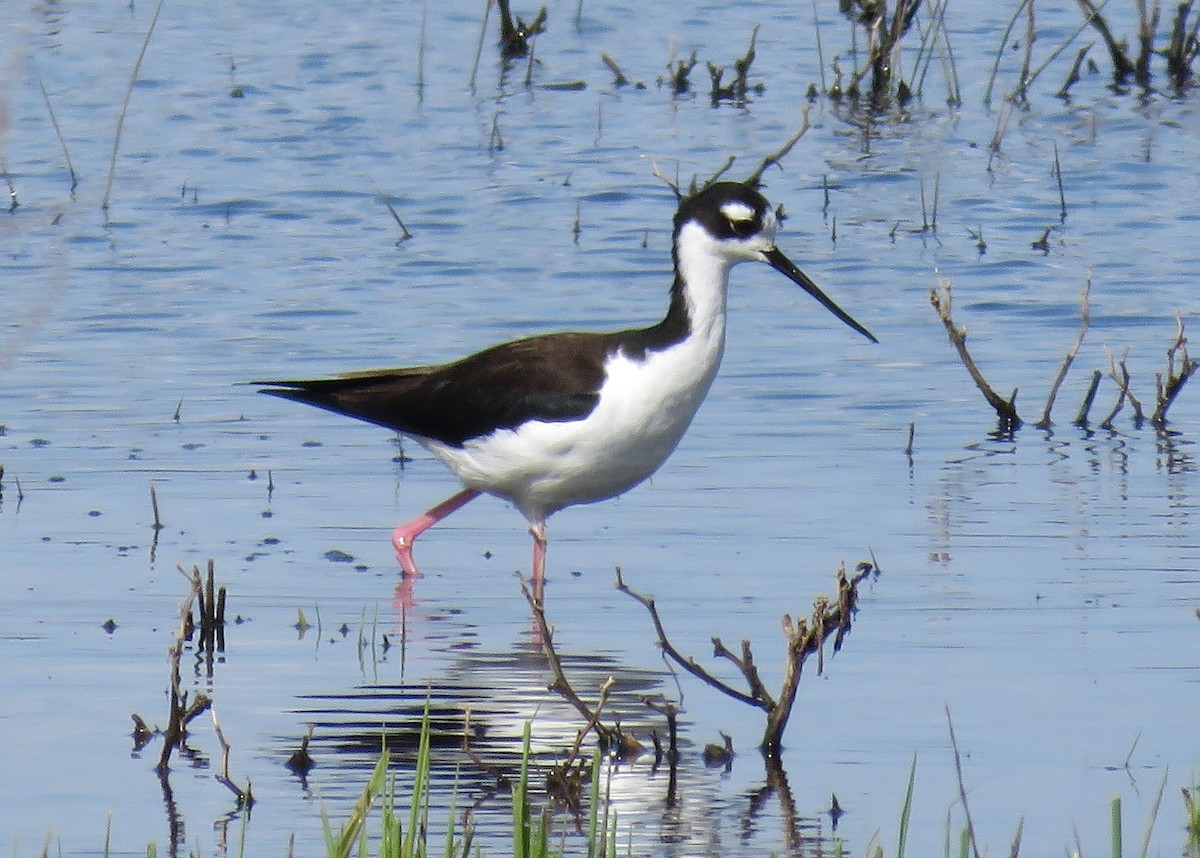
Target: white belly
pixel 644 410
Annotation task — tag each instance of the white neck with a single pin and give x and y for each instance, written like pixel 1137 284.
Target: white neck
pixel 704 272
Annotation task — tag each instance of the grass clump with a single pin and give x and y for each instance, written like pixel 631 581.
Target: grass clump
pixel 531 828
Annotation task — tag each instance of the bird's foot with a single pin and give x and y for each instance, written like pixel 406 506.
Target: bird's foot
pixel 402 542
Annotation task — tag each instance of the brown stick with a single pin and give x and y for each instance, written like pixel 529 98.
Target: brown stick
pixel 1045 422
pixel 939 297
pixel 1122 381
pixel 561 685
pixel 1175 381
pixel 803 639
pixel 688 664
pixel 244 797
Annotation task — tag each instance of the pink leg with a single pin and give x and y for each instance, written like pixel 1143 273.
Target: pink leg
pixel 538 532
pixel 403 536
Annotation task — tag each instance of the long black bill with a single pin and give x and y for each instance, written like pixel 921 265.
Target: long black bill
pixel 782 264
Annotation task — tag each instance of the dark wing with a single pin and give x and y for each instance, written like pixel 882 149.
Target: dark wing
pixel 555 377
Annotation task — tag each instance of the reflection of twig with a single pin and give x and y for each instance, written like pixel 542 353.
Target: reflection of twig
pixel 1175 381
pixel 939 297
pixel 1045 423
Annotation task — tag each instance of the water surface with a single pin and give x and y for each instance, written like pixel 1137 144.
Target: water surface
pixel 1043 587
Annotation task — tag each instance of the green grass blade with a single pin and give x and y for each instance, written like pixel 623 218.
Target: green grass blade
pixel 413 845
pixel 341 844
pixel 594 809
pixel 1116 826
pixel 520 806
pixel 906 811
pixel 448 850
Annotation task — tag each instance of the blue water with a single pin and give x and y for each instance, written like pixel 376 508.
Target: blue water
pixel 1042 587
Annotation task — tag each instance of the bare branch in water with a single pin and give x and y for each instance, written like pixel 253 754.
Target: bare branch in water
pixel 804 638
pixel 1006 409
pixel 1045 422
pixel 1175 380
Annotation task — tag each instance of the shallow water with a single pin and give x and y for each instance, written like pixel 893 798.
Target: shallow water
pixel 1042 587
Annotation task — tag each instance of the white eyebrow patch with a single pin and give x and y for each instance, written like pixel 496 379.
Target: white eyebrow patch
pixel 737 212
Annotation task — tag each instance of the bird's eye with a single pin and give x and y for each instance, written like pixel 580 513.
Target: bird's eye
pixel 741 228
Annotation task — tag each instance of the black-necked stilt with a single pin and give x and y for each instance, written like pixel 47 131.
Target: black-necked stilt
pixel 560 419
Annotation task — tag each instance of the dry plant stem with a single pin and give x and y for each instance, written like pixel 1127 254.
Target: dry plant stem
pixel 58 131
pixel 671 712
pixel 1073 77
pixel 1184 46
pixel 1012 22
pixel 962 789
pixel 112 166
pixel 953 84
pixel 1122 380
pixel 487 8
pixel 803 639
pixel 1122 65
pixel 755 178
pixel 158 525
pixel 688 664
pixel 1033 75
pixel 1175 381
pixel 181 712
pixel 1045 422
pixel 939 297
pixel 405 234
pixel 244 797
pixel 1020 93
pixel 1062 196
pixel 619 78
pixel 1081 419
pixel 561 685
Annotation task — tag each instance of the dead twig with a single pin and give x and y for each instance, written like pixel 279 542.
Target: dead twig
pixel 1006 409
pixel 1045 422
pixel 560 685
pixel 1081 419
pixel 962 789
pixel 245 798
pixel 687 663
pixel 405 234
pixel 738 91
pixel 137 65
pixel 1122 380
pixel 755 178
pixel 1168 391
pixel 57 131
pixel 619 78
pixel 1122 65
pixel 804 637
pixel 182 711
